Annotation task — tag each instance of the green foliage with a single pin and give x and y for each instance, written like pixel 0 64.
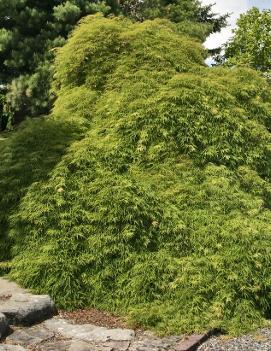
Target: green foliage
pixel 251 43
pixel 31 31
pixel 25 160
pixel 176 11
pixel 4 268
pixel 159 208
pixel 5 115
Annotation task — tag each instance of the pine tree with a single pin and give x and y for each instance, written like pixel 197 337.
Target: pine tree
pixel 29 33
pixel 31 30
pixel 175 10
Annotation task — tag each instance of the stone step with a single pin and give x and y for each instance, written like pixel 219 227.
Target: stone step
pixel 88 332
pixel 22 311
pixel 8 288
pixel 4 347
pixel 58 334
pixel 22 308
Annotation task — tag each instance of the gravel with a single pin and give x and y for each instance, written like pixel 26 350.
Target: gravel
pixel 258 341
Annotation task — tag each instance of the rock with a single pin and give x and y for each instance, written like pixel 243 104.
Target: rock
pixel 8 288
pixel 11 348
pixel 29 336
pixel 4 327
pixel 25 309
pixel 150 342
pixel 78 345
pixel 62 345
pixel 116 345
pixel 88 332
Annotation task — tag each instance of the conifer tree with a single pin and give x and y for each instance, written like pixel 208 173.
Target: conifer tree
pixel 31 30
pixel 177 11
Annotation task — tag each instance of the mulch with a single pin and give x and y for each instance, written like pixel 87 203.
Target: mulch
pixel 93 316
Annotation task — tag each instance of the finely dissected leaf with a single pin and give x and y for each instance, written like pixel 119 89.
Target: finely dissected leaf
pixel 150 195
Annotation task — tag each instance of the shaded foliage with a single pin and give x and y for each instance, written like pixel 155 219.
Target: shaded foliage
pixel 27 156
pixel 5 116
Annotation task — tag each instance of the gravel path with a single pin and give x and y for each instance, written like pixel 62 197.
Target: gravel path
pixel 258 341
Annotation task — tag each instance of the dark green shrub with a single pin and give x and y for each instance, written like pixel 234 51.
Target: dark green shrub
pixel 5 115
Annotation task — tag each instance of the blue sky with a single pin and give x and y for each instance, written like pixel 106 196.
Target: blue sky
pixel 265 4
pixel 236 7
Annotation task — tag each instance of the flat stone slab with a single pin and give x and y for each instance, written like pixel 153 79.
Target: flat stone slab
pixel 149 342
pixel 4 327
pixel 4 347
pixel 88 332
pixel 26 309
pixel 7 288
pixel 30 336
pixel 62 345
pixel 80 346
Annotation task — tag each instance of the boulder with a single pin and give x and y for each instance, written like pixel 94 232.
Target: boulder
pixel 25 309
